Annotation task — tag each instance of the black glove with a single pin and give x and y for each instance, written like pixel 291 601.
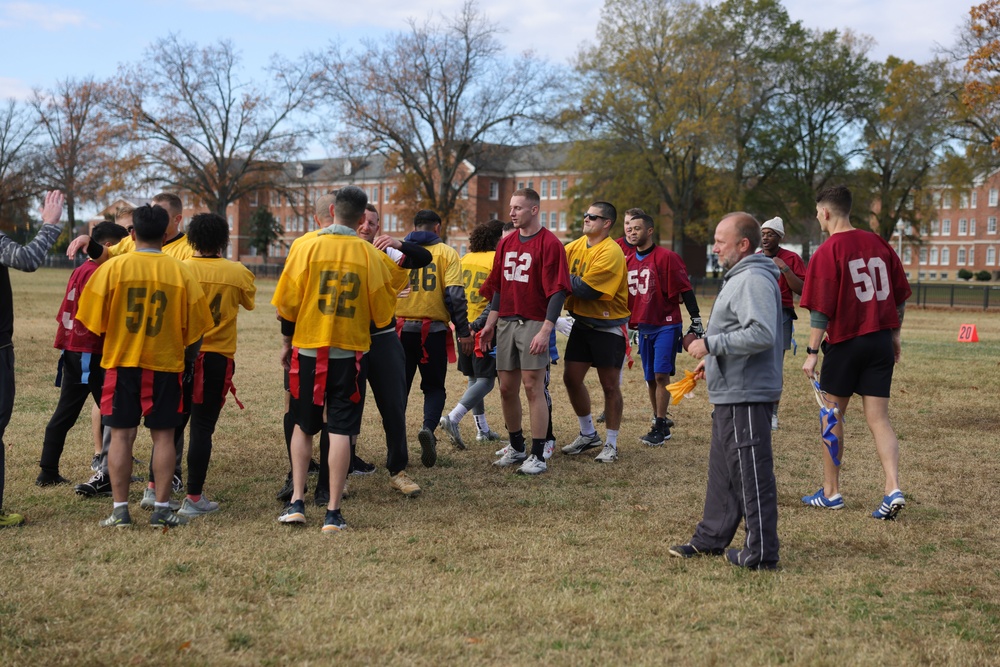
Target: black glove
pixel 696 327
pixel 188 377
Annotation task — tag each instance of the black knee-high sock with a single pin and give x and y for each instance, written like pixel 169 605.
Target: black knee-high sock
pixel 289 424
pixel 538 448
pixel 517 440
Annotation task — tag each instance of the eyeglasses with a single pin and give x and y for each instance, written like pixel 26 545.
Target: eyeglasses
pixel 590 216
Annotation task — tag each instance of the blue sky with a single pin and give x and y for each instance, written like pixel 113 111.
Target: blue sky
pixel 46 40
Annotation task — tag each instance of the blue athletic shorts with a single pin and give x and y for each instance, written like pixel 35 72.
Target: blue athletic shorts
pixel 658 349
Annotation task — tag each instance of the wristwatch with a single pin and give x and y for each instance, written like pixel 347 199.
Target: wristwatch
pixel 810 350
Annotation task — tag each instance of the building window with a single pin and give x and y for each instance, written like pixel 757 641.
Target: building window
pixel 972 226
pixel 960 258
pixel 993 196
pixel 465 191
pixel 923 256
pixel 565 187
pixel 934 256
pixel 963 227
pixel 253 198
pixel 921 276
pixel 944 275
pixel 375 194
pixel 554 189
pixel 963 200
pixel 934 228
pixel 520 185
pixel 544 194
pixel 907 255
pixel 275 199
pixel 972 256
pixel 531 185
pixel 975 198
pixel 946 227
pixel 945 256
pixel 463 249
pixel 946 199
pixel 545 217
pixel 933 275
pixel 494 191
pixel 991 225
pixel 562 220
pixel 991 256
pixel 229 219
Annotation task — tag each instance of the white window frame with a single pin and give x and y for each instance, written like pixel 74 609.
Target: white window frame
pixel 963 227
pixel 991 256
pixel 494 190
pixel 972 226
pixel 974 196
pixel 994 196
pixel 963 200
pixel 945 256
pixel 923 256
pixel 960 257
pixel 946 227
pixel 933 257
pixel 946 200
pixel 907 255
pixel 544 192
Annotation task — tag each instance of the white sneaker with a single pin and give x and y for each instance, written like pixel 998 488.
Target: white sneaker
pixel 533 466
pixel 502 451
pixel 189 508
pixel 510 457
pixel 148 501
pixel 550 447
pixel 488 436
pixel 774 422
pixel 582 444
pixel 608 455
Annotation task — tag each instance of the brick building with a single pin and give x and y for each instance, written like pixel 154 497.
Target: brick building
pixel 962 234
pixel 500 170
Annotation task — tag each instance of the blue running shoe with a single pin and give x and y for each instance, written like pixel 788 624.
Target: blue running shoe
pixel 891 504
pixel 819 500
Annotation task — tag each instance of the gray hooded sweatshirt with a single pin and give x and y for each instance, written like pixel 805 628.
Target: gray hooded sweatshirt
pixel 744 335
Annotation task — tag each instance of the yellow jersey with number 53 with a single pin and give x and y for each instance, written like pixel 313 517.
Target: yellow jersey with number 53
pixel 476 268
pixel 333 286
pixel 227 285
pixel 149 306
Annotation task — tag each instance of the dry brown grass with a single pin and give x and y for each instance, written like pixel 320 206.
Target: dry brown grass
pixel 488 567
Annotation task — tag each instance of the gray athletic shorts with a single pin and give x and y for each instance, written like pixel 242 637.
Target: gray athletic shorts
pixel 514 341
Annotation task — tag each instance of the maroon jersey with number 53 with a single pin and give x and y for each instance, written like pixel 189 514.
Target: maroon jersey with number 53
pixel 655 283
pixel 527 273
pixel 856 280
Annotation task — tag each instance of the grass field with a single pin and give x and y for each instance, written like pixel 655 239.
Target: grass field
pixel 486 567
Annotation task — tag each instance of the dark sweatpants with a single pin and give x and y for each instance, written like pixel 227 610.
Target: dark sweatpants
pixel 741 484
pixel 6 403
pixel 432 373
pixel 386 377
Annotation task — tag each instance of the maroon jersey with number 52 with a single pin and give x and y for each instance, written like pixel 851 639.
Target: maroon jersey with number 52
pixel 856 280
pixel 527 273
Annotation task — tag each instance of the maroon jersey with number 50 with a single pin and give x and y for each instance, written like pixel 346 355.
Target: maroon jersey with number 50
pixel 856 280
pixel 655 283
pixel 527 273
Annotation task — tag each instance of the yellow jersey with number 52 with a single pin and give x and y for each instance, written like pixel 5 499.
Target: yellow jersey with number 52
pixel 149 306
pixel 333 286
pixel 227 285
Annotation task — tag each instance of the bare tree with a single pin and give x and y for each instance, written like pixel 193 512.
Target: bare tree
pixel 429 100
pixel 203 129
pixel 82 158
pixel 17 182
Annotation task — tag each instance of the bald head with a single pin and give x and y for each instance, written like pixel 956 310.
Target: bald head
pixel 736 236
pixel 324 214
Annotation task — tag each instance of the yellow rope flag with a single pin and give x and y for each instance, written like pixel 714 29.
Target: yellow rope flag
pixel 682 388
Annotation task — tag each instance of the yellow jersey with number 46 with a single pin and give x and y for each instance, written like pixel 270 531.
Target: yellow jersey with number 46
pixel 602 267
pixel 149 306
pixel 228 285
pixel 333 286
pixel 426 297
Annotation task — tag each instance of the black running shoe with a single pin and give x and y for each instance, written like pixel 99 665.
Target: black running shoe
pixel 48 479
pixel 361 467
pixel 428 447
pixel 334 522
pixel 313 467
pixel 98 485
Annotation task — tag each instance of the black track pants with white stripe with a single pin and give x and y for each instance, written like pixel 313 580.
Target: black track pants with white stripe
pixel 741 484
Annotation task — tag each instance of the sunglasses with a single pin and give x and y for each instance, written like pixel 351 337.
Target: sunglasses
pixel 590 216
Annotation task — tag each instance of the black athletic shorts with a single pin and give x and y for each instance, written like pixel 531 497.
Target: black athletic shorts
pixel 345 378
pixel 861 365
pixel 600 349
pixel 472 366
pixel 134 394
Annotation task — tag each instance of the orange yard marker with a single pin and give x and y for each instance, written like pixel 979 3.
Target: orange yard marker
pixel 967 334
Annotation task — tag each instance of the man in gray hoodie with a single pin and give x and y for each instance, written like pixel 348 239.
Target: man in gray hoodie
pixel 741 356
